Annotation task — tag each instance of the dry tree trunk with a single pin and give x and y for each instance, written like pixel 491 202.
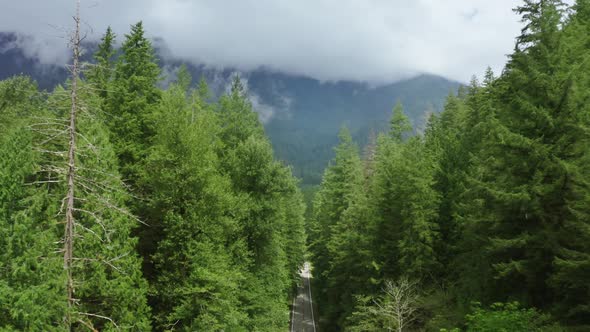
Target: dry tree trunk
pixel 71 172
pixel 398 304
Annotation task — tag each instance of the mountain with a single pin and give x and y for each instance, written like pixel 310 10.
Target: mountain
pixel 13 61
pixel 301 115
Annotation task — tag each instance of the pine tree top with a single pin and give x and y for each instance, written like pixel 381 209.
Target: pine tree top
pixel 399 123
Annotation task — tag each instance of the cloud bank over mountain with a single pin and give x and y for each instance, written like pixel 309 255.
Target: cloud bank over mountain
pixel 375 40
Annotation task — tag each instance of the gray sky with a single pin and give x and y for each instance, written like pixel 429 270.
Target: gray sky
pixel 370 40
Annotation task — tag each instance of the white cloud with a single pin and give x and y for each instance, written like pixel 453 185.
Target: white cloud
pixel 371 40
pixel 265 111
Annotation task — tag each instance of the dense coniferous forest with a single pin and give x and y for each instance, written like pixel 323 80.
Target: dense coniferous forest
pixel 301 115
pixel 483 222
pixel 125 206
pixel 181 217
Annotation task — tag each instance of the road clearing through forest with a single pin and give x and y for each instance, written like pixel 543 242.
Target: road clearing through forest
pixel 302 319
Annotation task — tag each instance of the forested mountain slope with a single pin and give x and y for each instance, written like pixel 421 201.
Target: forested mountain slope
pixel 301 115
pixel 138 194
pixel 482 222
pixel 127 207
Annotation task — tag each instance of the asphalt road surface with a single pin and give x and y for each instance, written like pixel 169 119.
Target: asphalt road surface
pixel 302 319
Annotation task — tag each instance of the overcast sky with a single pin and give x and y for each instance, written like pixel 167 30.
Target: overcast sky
pixel 369 40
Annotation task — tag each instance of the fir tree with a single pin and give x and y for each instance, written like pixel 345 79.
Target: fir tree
pixel 31 271
pixel 196 279
pixel 342 179
pixel 131 103
pixel 102 71
pixel 399 124
pixel 260 183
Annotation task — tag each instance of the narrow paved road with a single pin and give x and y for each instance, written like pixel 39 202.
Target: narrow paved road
pixel 302 319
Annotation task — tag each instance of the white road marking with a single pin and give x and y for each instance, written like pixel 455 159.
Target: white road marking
pixel 310 299
pixel 298 313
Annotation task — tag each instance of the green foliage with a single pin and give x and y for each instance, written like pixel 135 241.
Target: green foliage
pixel 19 99
pixel 504 317
pixel 107 274
pixel 183 78
pixel 492 204
pixel 134 94
pixel 365 317
pixel 223 234
pixel 32 283
pixel 339 230
pixel 399 123
pixel 268 211
pixel 406 206
pixel 518 207
pixel 237 118
pixel 102 71
pixel 196 283
pixel 109 284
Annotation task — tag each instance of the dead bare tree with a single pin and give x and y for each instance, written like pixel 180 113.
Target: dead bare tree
pixel 398 304
pixel 71 172
pixel 77 174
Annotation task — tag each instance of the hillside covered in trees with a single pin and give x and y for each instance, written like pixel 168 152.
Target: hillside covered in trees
pixel 125 207
pixel 483 222
pixel 301 115
pixel 129 206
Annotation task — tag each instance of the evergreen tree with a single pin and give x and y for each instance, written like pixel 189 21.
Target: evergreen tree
pixel 443 142
pixel 131 103
pixel 293 232
pixel 31 271
pixel 261 184
pixel 572 258
pixel 260 181
pixel 471 265
pixel 341 180
pixel 521 208
pixel 407 229
pixel 351 270
pixel 102 71
pixel 109 288
pixel 399 124
pixel 237 118
pixel 184 80
pixel 129 108
pixel 196 278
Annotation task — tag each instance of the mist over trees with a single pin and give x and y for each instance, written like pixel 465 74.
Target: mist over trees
pixel 181 218
pixel 125 206
pixel 490 205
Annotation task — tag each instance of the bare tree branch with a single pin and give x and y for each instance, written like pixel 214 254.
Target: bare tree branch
pixel 70 208
pixel 100 316
pixel 398 304
pixel 88 325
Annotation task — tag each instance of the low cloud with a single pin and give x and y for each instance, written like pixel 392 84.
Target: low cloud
pixel 266 111
pixel 375 40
